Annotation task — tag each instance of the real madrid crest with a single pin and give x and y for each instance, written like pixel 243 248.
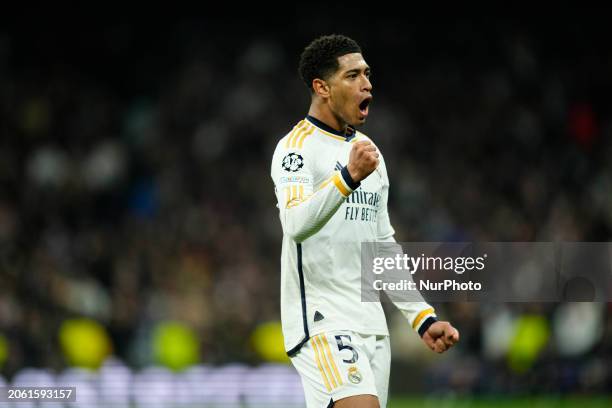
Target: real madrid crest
pixel 354 375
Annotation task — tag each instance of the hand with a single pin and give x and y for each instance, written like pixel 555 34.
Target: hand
pixel 441 336
pixel 363 160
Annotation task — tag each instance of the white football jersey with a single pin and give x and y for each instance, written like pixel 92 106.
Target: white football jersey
pixel 325 217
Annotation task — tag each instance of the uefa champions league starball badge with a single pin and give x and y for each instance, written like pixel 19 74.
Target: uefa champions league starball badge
pixel 354 375
pixel 293 162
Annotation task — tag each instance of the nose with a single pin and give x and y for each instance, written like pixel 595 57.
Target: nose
pixel 367 85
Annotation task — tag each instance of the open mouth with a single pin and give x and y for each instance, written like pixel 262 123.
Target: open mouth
pixel 363 106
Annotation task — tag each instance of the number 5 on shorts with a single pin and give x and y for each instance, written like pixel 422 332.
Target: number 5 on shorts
pixel 343 346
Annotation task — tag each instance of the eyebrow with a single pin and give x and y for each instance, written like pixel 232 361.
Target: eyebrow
pixel 357 70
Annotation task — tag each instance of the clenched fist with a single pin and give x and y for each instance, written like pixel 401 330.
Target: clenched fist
pixel 363 160
pixel 441 336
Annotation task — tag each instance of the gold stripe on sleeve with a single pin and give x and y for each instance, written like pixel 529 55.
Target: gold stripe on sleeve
pixel 324 184
pixel 293 201
pixel 420 317
pixel 296 128
pixel 297 136
pixel 304 136
pixel 340 185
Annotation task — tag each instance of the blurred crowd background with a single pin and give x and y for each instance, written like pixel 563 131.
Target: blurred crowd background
pixel 138 217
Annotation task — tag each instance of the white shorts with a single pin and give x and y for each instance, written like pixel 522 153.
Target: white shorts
pixel 339 364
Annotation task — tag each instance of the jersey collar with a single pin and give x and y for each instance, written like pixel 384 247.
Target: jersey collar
pixel 348 135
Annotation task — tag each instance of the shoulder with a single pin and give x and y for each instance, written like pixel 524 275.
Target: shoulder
pixel 293 148
pixel 298 138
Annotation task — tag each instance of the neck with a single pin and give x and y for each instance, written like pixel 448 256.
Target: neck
pixel 325 115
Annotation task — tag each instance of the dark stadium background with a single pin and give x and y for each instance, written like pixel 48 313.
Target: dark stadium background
pixel 137 213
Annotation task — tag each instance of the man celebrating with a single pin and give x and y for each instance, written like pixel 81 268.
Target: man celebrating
pixel 331 185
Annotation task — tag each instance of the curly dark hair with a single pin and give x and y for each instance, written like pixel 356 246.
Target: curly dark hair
pixel 320 58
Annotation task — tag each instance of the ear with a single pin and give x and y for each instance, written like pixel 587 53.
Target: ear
pixel 321 88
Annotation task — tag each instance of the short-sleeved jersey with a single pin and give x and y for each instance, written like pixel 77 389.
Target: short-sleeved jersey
pixel 325 217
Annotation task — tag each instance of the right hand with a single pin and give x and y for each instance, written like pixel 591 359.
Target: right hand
pixel 363 160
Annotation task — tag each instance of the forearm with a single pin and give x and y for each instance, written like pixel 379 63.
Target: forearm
pixel 418 312
pixel 301 217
